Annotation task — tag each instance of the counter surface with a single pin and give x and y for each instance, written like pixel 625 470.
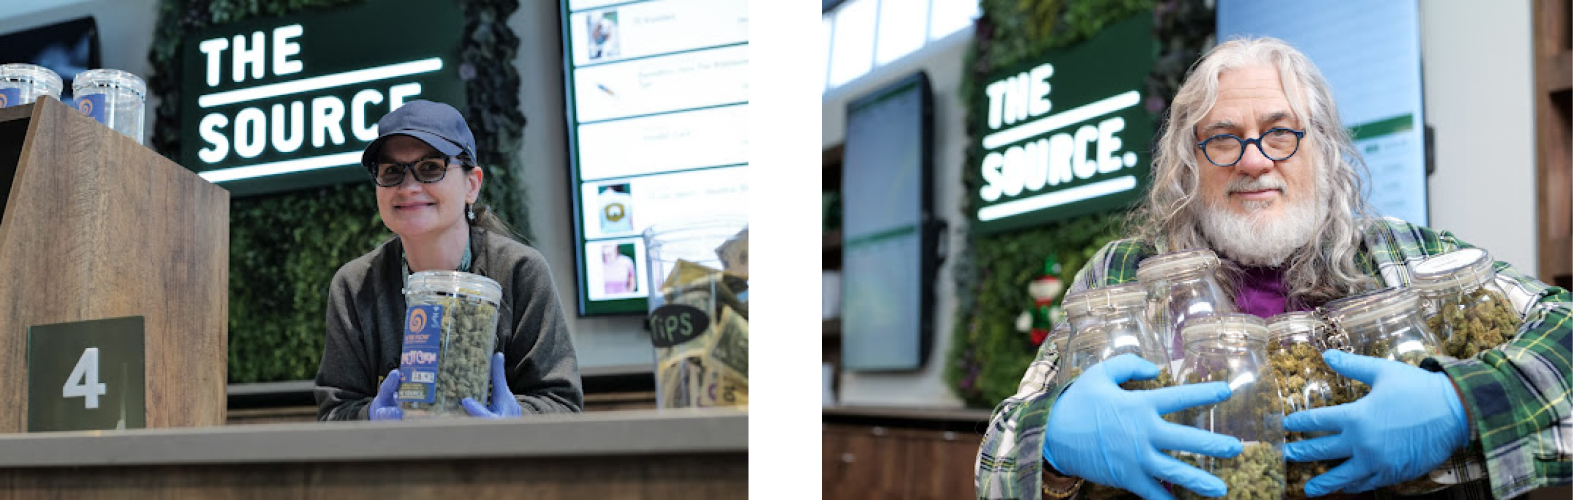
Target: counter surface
pixel 620 433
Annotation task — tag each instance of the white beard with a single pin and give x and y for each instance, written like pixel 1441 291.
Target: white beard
pixel 1257 239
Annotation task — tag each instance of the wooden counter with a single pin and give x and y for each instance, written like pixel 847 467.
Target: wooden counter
pixel 643 454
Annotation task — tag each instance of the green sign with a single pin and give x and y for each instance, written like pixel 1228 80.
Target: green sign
pixel 282 103
pixel 86 375
pixel 1067 133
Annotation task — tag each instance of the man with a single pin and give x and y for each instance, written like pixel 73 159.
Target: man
pixel 1255 165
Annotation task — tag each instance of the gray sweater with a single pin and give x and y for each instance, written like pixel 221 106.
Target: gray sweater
pixel 366 329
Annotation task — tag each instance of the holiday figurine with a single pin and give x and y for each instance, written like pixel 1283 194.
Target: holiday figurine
pixel 1046 292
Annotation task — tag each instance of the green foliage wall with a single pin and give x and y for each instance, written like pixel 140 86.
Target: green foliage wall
pixel 285 248
pixel 988 355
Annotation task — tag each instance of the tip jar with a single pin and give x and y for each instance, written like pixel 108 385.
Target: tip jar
pixel 26 83
pixel 450 333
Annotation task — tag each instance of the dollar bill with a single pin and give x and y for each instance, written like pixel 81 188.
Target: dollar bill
pixel 731 344
pixel 684 274
pixel 723 387
pixel 734 254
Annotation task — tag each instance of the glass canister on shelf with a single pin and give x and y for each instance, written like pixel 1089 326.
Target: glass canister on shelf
pixel 1463 304
pixel 1232 348
pixel 25 83
pixel 1388 324
pixel 1294 349
pixel 113 97
pixel 1180 286
pixel 1110 321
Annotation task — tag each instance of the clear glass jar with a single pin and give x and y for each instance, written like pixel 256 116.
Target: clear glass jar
pixel 450 333
pixel 697 276
pixel 1232 348
pixel 113 97
pixel 1107 322
pixel 1110 321
pixel 1181 285
pixel 25 83
pixel 1294 348
pixel 1388 324
pixel 1463 304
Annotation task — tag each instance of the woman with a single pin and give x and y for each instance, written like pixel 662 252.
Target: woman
pixel 427 184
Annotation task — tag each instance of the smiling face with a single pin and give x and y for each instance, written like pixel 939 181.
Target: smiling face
pixel 1257 211
pixel 419 210
pixel 1251 101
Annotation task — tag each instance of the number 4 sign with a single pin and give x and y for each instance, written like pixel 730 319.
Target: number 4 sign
pixel 86 375
pixel 83 382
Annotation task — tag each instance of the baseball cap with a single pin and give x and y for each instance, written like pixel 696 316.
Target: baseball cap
pixel 435 123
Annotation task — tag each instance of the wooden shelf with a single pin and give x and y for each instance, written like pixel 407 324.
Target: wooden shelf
pixel 906 414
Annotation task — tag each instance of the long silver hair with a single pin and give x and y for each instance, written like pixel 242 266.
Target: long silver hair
pixel 1325 268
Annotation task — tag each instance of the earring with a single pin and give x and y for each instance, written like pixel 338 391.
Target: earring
pixel 470 209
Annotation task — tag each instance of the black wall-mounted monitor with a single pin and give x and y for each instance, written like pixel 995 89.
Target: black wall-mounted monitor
pixel 889 255
pixel 66 47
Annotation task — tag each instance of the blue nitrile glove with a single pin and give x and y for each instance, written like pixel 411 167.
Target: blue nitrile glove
pixel 384 407
pixel 503 403
pixel 1408 425
pixel 1108 435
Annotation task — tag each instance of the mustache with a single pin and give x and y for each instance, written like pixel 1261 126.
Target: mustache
pixel 1262 183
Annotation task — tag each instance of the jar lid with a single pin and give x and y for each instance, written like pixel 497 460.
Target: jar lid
pixel 1175 263
pixel 454 283
pixel 1295 321
pixel 109 78
pixel 1224 324
pixel 1374 306
pixel 1458 268
pixel 37 75
pixel 1110 297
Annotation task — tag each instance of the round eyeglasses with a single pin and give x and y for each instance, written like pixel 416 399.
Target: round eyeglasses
pixel 427 170
pixel 1277 144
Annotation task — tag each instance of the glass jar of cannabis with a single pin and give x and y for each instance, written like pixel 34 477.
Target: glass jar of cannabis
pixel 1294 349
pixel 113 97
pixel 25 83
pixel 1110 321
pixel 1181 285
pixel 450 333
pixel 1232 348
pixel 1389 324
pixel 1463 304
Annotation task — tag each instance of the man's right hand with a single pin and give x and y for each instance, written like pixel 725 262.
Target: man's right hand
pixel 384 407
pixel 1104 434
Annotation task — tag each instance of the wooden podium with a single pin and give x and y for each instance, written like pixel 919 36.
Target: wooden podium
pixel 96 226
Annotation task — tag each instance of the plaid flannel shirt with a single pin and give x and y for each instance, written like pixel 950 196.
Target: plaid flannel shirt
pixel 1517 395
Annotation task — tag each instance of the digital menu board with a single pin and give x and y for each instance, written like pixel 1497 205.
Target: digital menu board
pixel 657 109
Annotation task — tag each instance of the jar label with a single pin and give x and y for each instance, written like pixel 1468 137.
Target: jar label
pixel 674 324
pixel 10 97
pixel 92 105
pixel 418 362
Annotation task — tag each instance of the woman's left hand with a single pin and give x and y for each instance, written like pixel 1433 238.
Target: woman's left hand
pixel 504 405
